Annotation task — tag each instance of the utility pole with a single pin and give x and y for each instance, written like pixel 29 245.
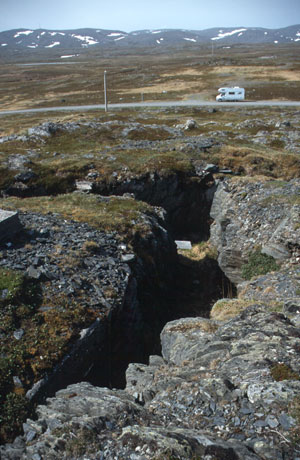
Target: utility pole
pixel 105 92
pixel 212 48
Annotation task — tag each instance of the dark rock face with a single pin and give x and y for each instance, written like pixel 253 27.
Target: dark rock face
pixel 211 395
pixel 186 198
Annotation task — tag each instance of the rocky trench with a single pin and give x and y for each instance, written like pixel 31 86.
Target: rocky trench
pixel 214 393
pixel 164 286
pixel 155 286
pixel 211 389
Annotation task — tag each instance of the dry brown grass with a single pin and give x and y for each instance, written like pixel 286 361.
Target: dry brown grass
pixel 259 72
pixel 258 160
pixel 202 324
pixel 200 251
pixel 226 309
pixel 174 86
pixel 119 214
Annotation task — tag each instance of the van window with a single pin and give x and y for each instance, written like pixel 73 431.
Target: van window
pixel 231 92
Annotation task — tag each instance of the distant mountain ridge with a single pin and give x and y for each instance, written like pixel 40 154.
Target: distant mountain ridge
pixel 77 39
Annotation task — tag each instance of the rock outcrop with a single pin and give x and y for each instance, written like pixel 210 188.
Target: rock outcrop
pixel 216 393
pixel 250 214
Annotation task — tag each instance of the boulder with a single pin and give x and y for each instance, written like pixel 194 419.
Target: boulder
pixel 9 224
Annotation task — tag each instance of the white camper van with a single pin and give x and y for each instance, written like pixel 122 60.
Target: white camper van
pixel 231 94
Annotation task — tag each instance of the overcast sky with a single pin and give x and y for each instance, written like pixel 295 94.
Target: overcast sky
pixel 129 15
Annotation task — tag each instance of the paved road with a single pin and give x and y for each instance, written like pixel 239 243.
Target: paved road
pixel 189 103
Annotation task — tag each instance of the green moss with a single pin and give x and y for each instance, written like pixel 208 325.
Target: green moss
pixel 275 306
pixel 6 380
pixel 294 411
pixel 258 264
pixel 46 338
pixel 85 441
pixel 50 181
pixel 277 144
pixel 11 284
pixel 6 177
pixel 281 372
pixel 275 184
pixel 280 198
pixel 15 409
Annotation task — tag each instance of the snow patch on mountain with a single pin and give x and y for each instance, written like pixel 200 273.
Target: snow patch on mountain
pixel 73 40
pixel 24 32
pixel 88 40
pixel 227 34
pixel 52 45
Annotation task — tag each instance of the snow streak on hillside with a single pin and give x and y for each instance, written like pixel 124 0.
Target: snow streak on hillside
pixel 23 39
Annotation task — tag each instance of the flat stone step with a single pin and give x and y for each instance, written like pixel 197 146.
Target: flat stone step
pixel 84 185
pixel 183 244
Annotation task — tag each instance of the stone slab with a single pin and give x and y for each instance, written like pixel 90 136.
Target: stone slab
pixel 84 185
pixel 183 244
pixel 9 224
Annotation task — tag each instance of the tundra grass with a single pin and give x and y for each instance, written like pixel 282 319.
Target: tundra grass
pixel 65 157
pixel 171 74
